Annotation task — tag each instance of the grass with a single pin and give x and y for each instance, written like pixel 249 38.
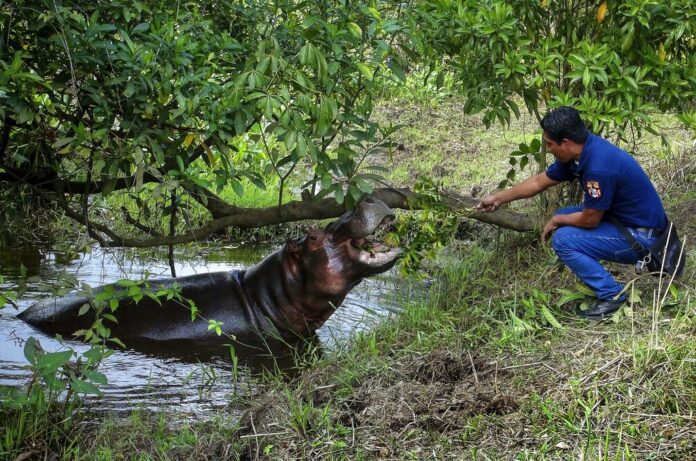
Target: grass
pixel 486 362
pixel 476 370
pixel 454 378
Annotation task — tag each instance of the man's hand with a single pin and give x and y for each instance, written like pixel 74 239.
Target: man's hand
pixel 489 203
pixel 549 228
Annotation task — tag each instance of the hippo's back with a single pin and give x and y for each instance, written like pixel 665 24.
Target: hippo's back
pixel 58 315
pixel 170 319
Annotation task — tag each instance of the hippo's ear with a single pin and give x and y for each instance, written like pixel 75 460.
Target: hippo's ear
pixel 293 247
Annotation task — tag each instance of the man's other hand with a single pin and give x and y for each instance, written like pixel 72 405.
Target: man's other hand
pixel 488 204
pixel 549 228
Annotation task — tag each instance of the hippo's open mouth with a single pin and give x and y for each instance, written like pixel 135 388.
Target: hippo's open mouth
pixel 375 253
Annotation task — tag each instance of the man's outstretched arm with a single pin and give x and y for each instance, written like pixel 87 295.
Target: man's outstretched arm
pixel 527 188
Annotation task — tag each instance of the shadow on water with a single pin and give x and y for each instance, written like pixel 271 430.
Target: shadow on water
pixel 192 380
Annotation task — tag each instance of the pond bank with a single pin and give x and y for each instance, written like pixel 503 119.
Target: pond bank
pixel 472 371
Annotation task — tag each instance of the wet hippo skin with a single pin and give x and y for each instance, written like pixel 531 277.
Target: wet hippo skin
pixel 291 293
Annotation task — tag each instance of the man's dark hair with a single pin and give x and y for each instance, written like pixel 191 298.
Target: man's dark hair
pixel 565 123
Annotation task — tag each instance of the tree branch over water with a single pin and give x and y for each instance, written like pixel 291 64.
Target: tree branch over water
pixel 327 208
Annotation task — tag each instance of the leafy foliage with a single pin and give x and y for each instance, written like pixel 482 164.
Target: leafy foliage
pixel 104 97
pixel 48 408
pixel 616 62
pixel 424 233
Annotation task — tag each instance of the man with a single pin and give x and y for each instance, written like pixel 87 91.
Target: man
pixel 614 184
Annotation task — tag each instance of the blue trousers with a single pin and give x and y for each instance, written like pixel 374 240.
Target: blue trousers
pixel 582 249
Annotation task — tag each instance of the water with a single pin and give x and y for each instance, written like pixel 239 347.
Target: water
pixel 190 381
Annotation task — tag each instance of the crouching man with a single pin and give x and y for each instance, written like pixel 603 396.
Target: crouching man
pixel 614 185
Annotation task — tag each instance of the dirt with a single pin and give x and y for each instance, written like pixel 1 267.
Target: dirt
pixel 424 396
pixel 438 394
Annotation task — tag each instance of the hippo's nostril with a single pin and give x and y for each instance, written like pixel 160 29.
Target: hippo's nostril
pixel 369 200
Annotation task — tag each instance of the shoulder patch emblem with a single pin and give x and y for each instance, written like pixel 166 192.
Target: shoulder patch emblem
pixel 593 189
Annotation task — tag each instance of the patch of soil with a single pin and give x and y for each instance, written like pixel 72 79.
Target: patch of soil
pixel 262 414
pixel 443 365
pixel 432 407
pixel 421 398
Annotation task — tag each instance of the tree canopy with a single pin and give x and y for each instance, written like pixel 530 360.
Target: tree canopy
pixel 618 62
pixel 110 98
pixel 151 113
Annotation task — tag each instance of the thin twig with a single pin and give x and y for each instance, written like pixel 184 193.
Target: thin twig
pixel 253 428
pixel 263 435
pixel 473 368
pixel 600 369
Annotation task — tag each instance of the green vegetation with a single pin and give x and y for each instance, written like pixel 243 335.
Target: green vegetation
pixel 134 117
pixel 616 62
pixel 166 105
pixel 457 376
pixel 487 360
pixel 150 120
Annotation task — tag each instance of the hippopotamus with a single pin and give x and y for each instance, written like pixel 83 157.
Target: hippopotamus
pixel 289 294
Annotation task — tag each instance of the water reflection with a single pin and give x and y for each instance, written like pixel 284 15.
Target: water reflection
pixel 196 381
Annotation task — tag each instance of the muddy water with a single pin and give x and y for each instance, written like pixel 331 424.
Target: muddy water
pixel 192 382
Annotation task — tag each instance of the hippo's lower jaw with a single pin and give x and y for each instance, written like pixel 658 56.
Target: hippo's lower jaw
pixel 380 259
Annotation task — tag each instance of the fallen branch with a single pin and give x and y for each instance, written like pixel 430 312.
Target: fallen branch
pixel 248 218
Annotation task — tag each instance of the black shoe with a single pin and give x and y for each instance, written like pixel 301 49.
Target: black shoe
pixel 600 309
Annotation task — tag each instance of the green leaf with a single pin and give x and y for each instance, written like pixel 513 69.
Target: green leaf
pixel 354 30
pixel 142 27
pixel 95 377
pixel 62 142
pixel 569 296
pixel 110 317
pixel 290 140
pixel 301 145
pixel 51 361
pixel 215 325
pixel 237 187
pixel 674 291
pixel 84 309
pixel 513 107
pixel 366 71
pixel 306 54
pixel 339 194
pixel 397 70
pixel 30 348
pixel 550 318
pixel 325 117
pixel 108 187
pixel 268 108
pixel 363 186
pixel 586 77
pixel 521 325
pixel 117 341
pixel 83 387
